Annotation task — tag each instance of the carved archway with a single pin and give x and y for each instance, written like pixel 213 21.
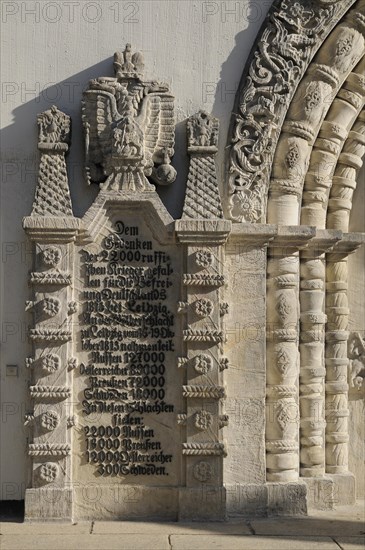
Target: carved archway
pixel 295 149
pixel 281 56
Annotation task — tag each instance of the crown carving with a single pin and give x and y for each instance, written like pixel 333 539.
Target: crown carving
pixel 128 65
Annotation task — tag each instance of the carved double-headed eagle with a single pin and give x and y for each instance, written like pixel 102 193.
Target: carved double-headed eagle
pixel 129 128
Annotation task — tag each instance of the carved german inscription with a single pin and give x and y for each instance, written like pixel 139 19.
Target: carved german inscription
pixel 127 336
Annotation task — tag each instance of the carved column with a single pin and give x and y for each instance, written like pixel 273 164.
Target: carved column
pixel 327 149
pixel 336 355
pixel 345 177
pixel 340 202
pixel 312 367
pixel 52 228
pixel 203 231
pixel 282 415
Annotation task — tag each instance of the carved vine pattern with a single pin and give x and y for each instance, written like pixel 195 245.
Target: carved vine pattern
pixel 294 31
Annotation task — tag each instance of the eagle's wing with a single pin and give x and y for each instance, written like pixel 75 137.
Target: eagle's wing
pixel 152 120
pixel 99 111
pixel 160 125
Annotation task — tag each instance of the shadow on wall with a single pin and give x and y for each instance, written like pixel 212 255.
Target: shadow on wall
pixel 232 71
pixel 19 170
pixel 21 158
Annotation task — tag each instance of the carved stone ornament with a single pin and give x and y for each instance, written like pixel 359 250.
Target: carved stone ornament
pixel 293 32
pixel 203 258
pixel 51 362
pixel 51 306
pixel 356 353
pixel 54 130
pixel 50 420
pixel 203 471
pixel 72 308
pixel 203 307
pixel 51 256
pixel 203 363
pixel 203 420
pixel 52 196
pixel 202 130
pixel 202 198
pixel 49 471
pixel 129 127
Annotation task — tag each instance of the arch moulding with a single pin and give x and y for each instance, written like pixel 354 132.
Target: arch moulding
pixel 295 149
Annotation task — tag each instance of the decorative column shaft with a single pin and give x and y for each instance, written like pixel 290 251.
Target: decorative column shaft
pixel 336 355
pixel 312 367
pixel 345 177
pixel 203 231
pixel 52 228
pixel 282 415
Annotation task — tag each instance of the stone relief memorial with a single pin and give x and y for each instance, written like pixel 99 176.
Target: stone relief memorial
pixel 202 368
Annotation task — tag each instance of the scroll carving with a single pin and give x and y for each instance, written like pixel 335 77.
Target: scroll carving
pixel 293 33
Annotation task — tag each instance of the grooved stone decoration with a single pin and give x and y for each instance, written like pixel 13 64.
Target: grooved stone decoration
pixel 205 367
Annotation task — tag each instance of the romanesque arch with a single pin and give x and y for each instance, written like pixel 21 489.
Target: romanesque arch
pixel 295 150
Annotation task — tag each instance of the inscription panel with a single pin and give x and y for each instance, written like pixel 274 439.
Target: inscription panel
pixel 129 388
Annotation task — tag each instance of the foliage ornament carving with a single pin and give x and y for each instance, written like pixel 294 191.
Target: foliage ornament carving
pixel 356 353
pixel 293 32
pixel 51 306
pixel 202 132
pixel 129 127
pixel 203 308
pixel 203 258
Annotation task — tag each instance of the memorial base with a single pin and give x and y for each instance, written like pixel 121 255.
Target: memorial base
pixel 320 493
pixel 270 499
pixel 344 488
pixel 287 499
pixel 94 502
pixel 246 500
pixel 48 504
pixel 202 504
pixel 330 491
